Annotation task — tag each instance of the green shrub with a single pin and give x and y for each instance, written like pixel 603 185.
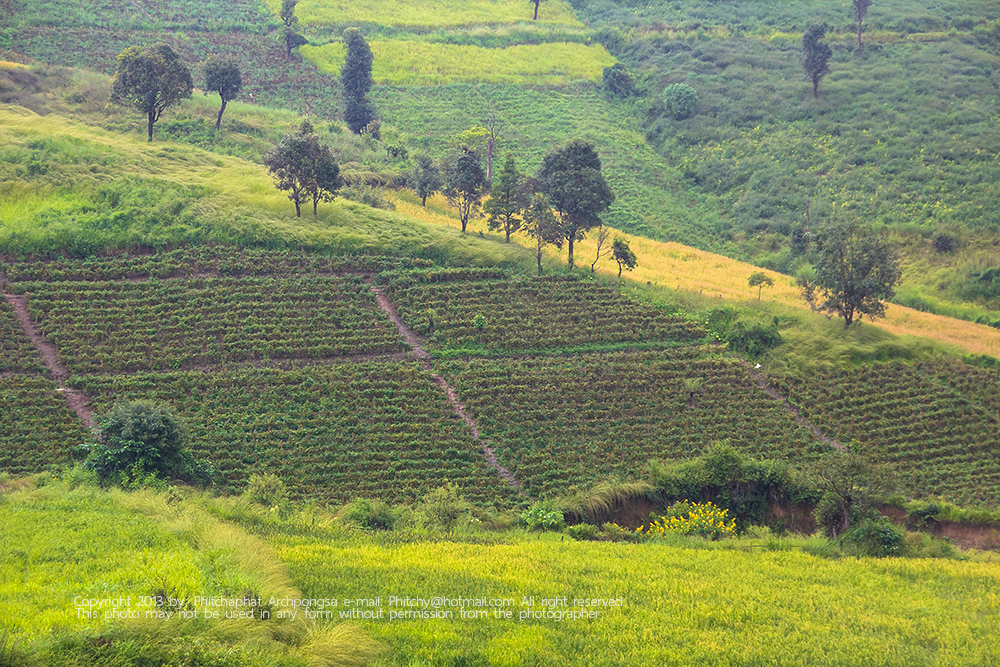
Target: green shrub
pixel 875 538
pixel 267 489
pixel 617 81
pixel 583 531
pixel 615 533
pixel 78 475
pixel 371 514
pixel 680 100
pixel 445 508
pixel 543 516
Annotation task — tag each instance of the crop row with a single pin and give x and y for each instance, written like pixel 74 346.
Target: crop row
pixel 16 351
pixel 977 384
pixel 367 429
pixel 533 314
pixel 37 428
pixel 572 420
pixel 200 260
pixel 942 441
pixel 159 325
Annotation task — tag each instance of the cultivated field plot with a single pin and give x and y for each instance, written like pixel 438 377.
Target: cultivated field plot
pixel 940 439
pixel 398 62
pixel 198 261
pixel 16 351
pixel 425 13
pixel 979 385
pixel 37 428
pixel 559 422
pixel 531 314
pixel 158 325
pixel 333 433
pixel 198 15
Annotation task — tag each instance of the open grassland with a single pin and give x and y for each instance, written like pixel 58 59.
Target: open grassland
pixel 70 187
pixel 37 428
pixel 650 198
pixel 564 422
pixel 429 13
pixel 681 606
pixel 687 270
pixel 398 62
pixel 926 420
pixel 333 433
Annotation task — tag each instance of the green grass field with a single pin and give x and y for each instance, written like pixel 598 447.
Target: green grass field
pixel 398 62
pixel 429 13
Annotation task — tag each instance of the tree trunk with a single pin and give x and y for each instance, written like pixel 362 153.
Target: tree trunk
pixel 571 239
pixel 149 126
pixel 298 208
pixel 539 256
pixel 423 202
pixel 859 33
pixel 489 160
pixel 536 10
pixel 619 269
pixel 759 290
pixel 815 88
pixel 218 121
pixel 465 221
pixel 315 202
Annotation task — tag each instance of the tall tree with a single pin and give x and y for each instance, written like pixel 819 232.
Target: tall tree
pixel 289 34
pixel 465 185
pixel 541 224
pixel 860 9
pixel 817 55
pixel 150 80
pixel 603 249
pixel 853 483
pixel 856 270
pixel 503 208
pixel 223 77
pixel 536 3
pixel 426 178
pixel 572 180
pixel 624 256
pixel 356 80
pixel 305 168
pixel 760 280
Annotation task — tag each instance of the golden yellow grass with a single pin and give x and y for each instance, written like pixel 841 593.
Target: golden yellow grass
pixel 690 270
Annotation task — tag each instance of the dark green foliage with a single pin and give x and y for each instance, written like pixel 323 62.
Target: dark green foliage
pixel 426 178
pixel 268 490
pixel 142 438
pixel 289 35
pixel 945 242
pixel 356 80
pixel 755 340
pixel 617 80
pixel 540 224
pixel 860 9
pixel 465 185
pixel 371 514
pixel 851 484
pixel 760 280
pixel 983 285
pixel 445 508
pixel 305 168
pixel 856 270
pixel 150 80
pixel 571 178
pixel 507 200
pixel 223 77
pixel 874 538
pixel 817 55
pixel 680 100
pixel 624 256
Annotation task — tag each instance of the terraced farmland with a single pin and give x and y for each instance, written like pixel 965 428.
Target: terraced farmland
pixel 377 430
pixel 37 429
pixel 943 439
pixel 564 421
pixel 532 314
pixel 16 351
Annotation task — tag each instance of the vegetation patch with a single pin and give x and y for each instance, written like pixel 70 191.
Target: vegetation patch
pixel 427 14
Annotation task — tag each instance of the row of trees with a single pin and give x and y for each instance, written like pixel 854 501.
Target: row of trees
pixel 151 80
pixel 560 204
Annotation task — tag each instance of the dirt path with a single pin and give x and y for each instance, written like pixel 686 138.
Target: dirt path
pixel 78 401
pixel 416 343
pixel 793 410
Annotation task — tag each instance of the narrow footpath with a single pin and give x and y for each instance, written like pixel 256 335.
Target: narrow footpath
pixel 793 410
pixel 416 344
pixel 78 401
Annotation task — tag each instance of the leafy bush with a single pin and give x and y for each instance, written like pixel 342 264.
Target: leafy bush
pixel 754 340
pixel 618 81
pixel 583 531
pixel 543 516
pixel 79 475
pixel 876 538
pixel 140 441
pixel 680 100
pixel 615 533
pixel 371 514
pixel 445 508
pixel 268 490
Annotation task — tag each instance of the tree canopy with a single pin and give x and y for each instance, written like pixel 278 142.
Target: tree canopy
pixel 624 256
pixel 760 280
pixel 503 208
pixel 571 178
pixel 426 178
pixel 540 224
pixel 860 9
pixel 289 34
pixel 466 185
pixel 150 80
pixel 356 80
pixel 817 55
pixel 223 77
pixel 305 168
pixel 856 270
